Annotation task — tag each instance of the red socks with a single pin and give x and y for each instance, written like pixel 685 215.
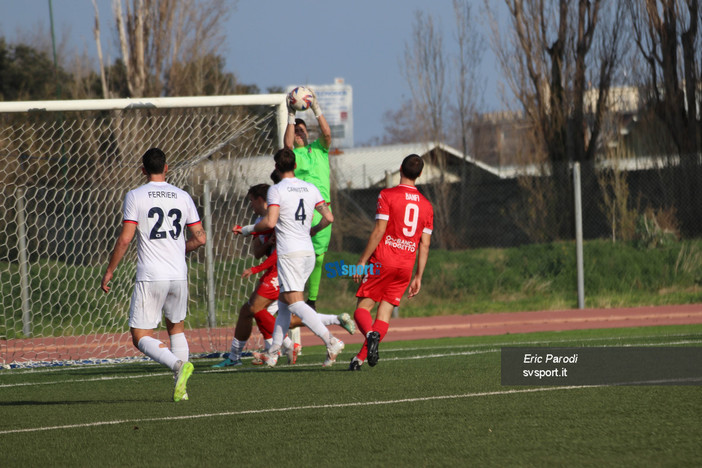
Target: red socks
pixel 265 322
pixel 365 324
pixel 381 327
pixel 363 320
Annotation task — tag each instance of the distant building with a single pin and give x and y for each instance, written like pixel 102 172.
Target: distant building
pixel 630 130
pixel 503 139
pixel 379 166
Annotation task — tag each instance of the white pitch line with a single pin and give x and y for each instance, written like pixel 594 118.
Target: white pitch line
pixel 94 379
pixel 21 372
pixel 236 369
pixel 492 349
pixel 291 408
pixel 550 342
pixel 38 370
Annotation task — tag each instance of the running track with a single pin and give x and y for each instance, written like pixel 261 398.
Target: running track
pixel 207 341
pixel 526 322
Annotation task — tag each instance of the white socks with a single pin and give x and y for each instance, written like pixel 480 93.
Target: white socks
pixel 329 319
pixel 311 319
pixel 236 349
pixel 282 325
pixel 152 348
pixel 179 347
pixel 294 335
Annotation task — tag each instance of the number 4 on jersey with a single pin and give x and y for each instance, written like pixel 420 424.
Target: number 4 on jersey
pixel 300 212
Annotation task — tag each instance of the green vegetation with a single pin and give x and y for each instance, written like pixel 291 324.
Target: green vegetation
pixel 541 276
pixel 533 277
pixel 427 403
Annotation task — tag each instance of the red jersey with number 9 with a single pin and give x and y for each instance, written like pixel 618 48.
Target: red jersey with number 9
pixel 409 214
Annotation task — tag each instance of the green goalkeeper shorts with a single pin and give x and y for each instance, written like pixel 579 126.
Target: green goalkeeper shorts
pixel 320 241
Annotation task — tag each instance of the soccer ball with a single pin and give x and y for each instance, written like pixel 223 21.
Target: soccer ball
pixel 301 98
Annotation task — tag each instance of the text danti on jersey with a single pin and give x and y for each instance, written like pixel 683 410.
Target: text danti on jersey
pixel 340 268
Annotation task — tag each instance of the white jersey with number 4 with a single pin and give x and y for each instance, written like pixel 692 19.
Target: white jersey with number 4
pixel 297 201
pixel 162 213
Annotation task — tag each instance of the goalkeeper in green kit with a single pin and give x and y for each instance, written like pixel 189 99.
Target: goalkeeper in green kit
pixel 312 161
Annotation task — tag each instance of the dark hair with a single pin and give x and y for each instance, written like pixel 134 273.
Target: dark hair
pixel 300 122
pixel 154 161
pixel 275 176
pixel 285 160
pixel 259 191
pixel 412 166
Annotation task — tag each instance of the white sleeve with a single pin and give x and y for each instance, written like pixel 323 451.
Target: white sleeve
pixel 192 216
pixel 318 198
pixel 273 197
pixel 129 209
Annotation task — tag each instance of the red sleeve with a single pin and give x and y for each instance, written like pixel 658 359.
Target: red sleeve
pixel 383 205
pixel 430 217
pixel 267 263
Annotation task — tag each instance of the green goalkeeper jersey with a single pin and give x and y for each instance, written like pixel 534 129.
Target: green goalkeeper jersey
pixel 313 166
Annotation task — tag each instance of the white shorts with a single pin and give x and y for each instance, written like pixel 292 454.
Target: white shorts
pixel 273 308
pixel 293 272
pixel 151 298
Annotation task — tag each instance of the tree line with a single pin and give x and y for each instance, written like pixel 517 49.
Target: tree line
pixel 585 80
pixel 166 48
pixel 561 62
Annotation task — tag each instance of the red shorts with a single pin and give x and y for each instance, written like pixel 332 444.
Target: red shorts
pixel 268 286
pixel 388 286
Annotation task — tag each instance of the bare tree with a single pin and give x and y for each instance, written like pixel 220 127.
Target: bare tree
pixel 98 44
pixel 401 125
pixel 468 83
pixel 425 70
pixel 668 37
pixel 470 46
pixel 437 81
pixel 667 34
pixel 159 39
pixel 549 62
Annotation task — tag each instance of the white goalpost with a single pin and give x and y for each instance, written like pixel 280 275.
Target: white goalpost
pixel 66 166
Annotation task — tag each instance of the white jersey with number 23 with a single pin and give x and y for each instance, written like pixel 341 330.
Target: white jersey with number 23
pixel 162 212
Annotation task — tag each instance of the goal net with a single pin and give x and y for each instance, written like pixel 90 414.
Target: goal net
pixel 67 166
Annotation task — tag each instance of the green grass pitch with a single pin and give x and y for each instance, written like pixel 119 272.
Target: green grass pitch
pixel 427 403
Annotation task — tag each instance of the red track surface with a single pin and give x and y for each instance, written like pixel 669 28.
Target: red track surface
pixel 206 341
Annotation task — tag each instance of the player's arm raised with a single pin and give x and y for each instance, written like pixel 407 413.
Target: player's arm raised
pixel 327 218
pixel 373 241
pixel 326 136
pixel 121 246
pixel 289 137
pixel 422 256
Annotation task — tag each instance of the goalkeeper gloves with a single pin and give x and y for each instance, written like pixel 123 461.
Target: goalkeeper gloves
pixel 291 111
pixel 315 105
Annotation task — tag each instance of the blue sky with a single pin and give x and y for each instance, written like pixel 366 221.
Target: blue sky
pixel 280 43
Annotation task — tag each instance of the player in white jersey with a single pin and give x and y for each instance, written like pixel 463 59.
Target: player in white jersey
pixel 291 204
pixel 158 213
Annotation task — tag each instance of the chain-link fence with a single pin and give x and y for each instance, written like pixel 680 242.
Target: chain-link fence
pixel 634 200
pixel 65 175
